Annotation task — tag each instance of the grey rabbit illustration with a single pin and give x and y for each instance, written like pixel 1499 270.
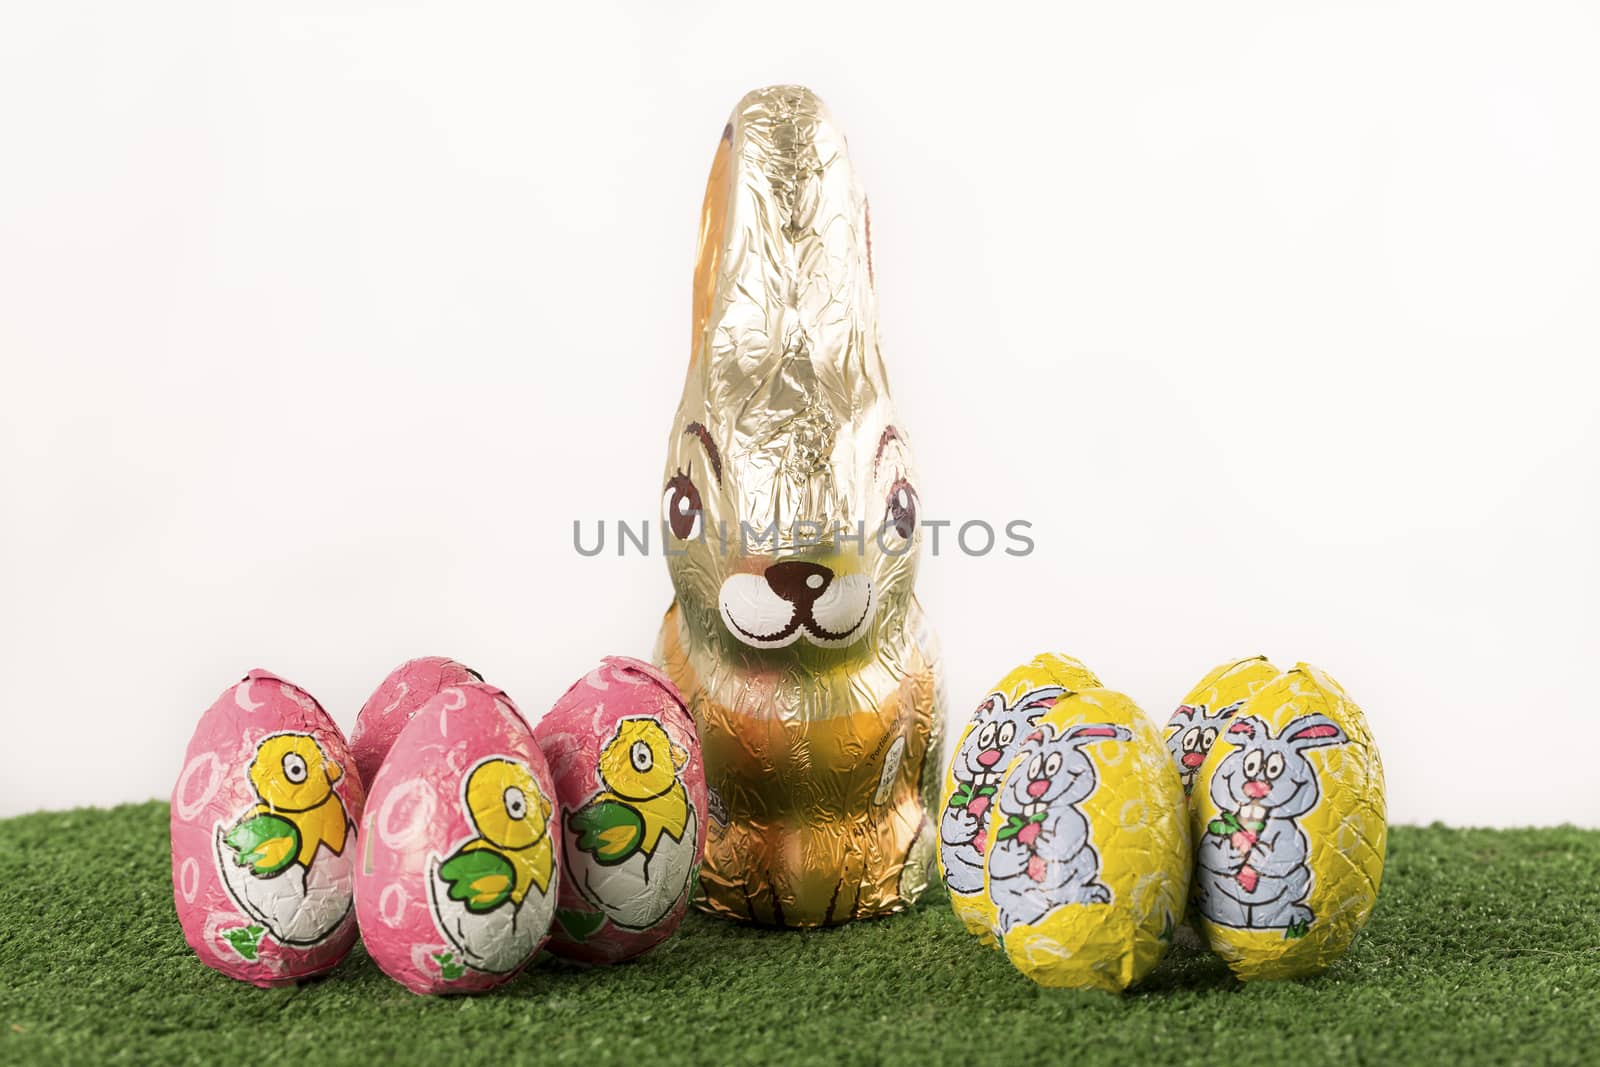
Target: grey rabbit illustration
pixel 1042 857
pixel 1194 730
pixel 997 732
pixel 1253 858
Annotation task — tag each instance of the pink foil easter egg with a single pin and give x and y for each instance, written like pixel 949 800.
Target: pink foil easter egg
pixel 459 869
pixel 264 839
pixel 632 789
pixel 395 701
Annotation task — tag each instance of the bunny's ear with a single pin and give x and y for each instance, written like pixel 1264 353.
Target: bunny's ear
pixel 993 704
pixel 1042 734
pixel 1312 731
pixel 1187 711
pixel 713 224
pixel 1248 728
pixel 1040 701
pixel 783 289
pixel 1098 731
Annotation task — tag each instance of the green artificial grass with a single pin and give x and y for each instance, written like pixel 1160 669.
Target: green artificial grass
pixel 1485 947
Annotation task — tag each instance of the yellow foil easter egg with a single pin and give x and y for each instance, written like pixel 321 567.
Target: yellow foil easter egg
pixel 1088 863
pixel 972 778
pixel 1289 830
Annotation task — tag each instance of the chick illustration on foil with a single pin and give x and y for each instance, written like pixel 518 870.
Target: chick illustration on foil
pixel 639 830
pixel 790 509
pixel 493 898
pixel 284 861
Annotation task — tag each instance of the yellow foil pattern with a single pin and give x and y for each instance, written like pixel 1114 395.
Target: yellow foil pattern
pixel 789 512
pixel 991 739
pixel 1290 831
pixel 1088 862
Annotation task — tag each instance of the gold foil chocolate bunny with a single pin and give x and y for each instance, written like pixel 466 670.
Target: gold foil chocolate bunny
pixel 790 516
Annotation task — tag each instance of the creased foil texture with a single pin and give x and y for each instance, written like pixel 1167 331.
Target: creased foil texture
pixel 789 509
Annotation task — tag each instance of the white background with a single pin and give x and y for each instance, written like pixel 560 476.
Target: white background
pixel 1278 322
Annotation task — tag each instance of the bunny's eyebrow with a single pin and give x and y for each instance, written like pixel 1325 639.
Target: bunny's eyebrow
pixel 889 434
pixel 701 434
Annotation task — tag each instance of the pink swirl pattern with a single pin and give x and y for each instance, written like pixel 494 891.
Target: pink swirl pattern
pixel 591 912
pixel 225 925
pixel 397 698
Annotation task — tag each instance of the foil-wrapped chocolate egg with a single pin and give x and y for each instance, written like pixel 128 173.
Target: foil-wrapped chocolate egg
pixel 459 868
pixel 972 778
pixel 632 790
pixel 1088 862
pixel 1289 829
pixel 397 698
pixel 264 839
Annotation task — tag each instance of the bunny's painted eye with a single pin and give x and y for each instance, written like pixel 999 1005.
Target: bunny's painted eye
pixel 1053 764
pixel 1275 765
pixel 901 513
pixel 1036 767
pixel 1007 732
pixel 986 736
pixel 1208 739
pixel 1191 739
pixel 680 507
pixel 1252 763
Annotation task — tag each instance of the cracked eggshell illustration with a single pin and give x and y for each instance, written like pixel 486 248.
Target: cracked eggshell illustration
pixel 1088 862
pixel 991 738
pixel 397 698
pixel 264 817
pixel 459 870
pixel 1288 817
pixel 632 792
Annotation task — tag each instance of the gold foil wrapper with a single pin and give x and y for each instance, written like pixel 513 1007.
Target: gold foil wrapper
pixel 789 513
